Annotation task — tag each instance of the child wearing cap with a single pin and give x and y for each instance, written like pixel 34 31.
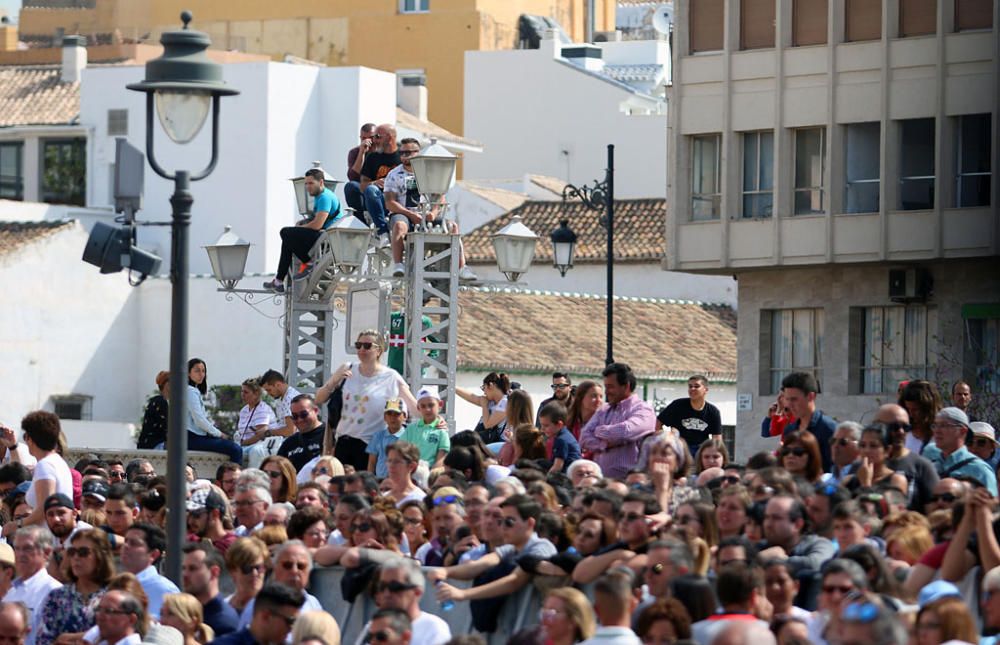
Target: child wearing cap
pixel 382 439
pixel 430 432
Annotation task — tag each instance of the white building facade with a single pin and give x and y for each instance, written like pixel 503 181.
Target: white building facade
pixel 852 146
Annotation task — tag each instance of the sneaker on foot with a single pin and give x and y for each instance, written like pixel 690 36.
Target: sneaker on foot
pixel 275 285
pixel 467 275
pixel 399 270
pixel 304 271
pixel 383 240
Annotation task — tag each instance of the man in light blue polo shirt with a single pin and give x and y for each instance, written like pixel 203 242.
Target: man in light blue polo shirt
pixel 950 456
pixel 144 546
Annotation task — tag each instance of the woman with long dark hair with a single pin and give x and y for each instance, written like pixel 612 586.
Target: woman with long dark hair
pixel 922 402
pixel 493 402
pixel 202 433
pixel 154 419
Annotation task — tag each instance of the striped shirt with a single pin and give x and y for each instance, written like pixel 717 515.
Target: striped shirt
pixel 615 433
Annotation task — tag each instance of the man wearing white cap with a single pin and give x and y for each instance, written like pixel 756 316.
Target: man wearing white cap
pixel 984 443
pixel 429 433
pixel 950 456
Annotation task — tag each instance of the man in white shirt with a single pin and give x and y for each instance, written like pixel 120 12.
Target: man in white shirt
pixel 292 564
pixel 400 585
pixel 274 384
pixel 250 506
pixel 614 603
pixel 32 550
pixel 118 613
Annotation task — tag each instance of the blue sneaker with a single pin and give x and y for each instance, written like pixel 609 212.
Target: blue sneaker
pixel 275 286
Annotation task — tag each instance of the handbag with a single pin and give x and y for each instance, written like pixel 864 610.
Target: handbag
pixel 335 405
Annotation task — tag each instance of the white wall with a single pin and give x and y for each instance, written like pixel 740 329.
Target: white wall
pixel 635 280
pixel 527 108
pixel 285 117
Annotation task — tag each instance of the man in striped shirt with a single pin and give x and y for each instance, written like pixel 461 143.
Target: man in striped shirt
pixel 616 431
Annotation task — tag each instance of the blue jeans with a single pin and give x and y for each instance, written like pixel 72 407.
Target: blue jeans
pixel 370 200
pixel 213 444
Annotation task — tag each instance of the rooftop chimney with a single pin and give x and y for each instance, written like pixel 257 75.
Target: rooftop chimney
pixel 411 95
pixel 551 44
pixel 74 58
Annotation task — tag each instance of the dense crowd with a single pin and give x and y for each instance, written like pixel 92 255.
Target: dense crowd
pixel 633 525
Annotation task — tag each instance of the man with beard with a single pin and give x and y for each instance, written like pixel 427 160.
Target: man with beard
pixel 919 471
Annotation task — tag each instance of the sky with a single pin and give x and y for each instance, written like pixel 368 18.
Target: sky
pixel 11 7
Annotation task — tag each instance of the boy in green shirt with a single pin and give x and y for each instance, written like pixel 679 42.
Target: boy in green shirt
pixel 429 433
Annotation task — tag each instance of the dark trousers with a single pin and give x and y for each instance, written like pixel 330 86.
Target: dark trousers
pixel 298 240
pixel 213 444
pixel 352 451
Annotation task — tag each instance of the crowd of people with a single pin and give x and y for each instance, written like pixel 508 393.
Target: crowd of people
pixel 633 525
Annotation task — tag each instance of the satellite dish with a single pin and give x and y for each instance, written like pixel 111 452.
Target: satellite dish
pixel 663 18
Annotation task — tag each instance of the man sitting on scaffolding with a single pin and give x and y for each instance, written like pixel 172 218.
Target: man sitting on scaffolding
pixel 402 201
pixel 299 239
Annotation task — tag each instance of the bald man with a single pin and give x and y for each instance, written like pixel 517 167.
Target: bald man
pixel 919 471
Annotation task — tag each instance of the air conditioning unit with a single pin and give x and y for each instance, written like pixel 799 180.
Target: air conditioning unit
pixel 913 284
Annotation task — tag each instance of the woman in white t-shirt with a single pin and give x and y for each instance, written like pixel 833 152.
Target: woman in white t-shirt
pixel 51 476
pixel 254 430
pixel 367 385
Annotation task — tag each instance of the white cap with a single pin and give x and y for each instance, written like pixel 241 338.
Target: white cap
pixel 428 392
pixel 983 429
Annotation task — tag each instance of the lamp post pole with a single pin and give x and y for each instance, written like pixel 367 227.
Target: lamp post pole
pixel 609 224
pixel 181 202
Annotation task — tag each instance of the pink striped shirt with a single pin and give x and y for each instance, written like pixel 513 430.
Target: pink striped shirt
pixel 615 434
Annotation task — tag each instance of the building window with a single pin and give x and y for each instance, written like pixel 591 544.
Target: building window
pixel 77 407
pixel 973 160
pixel 894 346
pixel 795 343
pixel 861 163
pixel 983 349
pixel 706 197
pixel 64 171
pixel 862 20
pixel 117 123
pixel 414 6
pixel 758 173
pixel 809 18
pixel 917 17
pixel 706 19
pixel 810 166
pixel 756 24
pixel 12 170
pixel 973 14
pixel 916 164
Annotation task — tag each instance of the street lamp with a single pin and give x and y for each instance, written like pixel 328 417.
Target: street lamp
pixel 514 246
pixel 599 196
pixel 182 84
pixel 302 196
pixel 349 238
pixel 229 258
pixel 434 170
pixel 563 247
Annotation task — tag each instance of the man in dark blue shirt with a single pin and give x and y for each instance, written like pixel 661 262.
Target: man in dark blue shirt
pixel 275 610
pixel 800 390
pixel 200 572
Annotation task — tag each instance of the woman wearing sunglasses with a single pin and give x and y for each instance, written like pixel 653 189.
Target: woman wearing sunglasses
pixel 70 608
pixel 246 561
pixel 365 386
pixel 281 472
pixel 800 456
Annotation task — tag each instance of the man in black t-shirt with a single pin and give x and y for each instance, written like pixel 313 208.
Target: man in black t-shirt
pixel 307 443
pixel 377 165
pixel 695 418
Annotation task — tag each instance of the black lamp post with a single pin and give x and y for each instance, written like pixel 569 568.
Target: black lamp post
pixel 599 196
pixel 184 84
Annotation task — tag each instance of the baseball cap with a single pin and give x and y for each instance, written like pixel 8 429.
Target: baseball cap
pixel 58 500
pixel 428 392
pixel 205 498
pixel 97 489
pixel 394 405
pixel 20 489
pixel 983 429
pixel 936 591
pixel 6 554
pixel 954 415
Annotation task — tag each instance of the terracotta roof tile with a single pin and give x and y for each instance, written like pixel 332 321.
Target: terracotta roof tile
pixel 36 95
pixel 506 199
pixel 639 231
pixel 14 235
pixel 530 331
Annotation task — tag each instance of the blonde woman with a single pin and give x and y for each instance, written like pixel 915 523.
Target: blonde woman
pixel 184 613
pixel 316 625
pixel 567 617
pixel 365 385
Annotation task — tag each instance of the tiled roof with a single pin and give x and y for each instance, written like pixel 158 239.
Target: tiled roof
pixel 429 130
pixel 506 199
pixel 14 235
pixel 639 231
pixel 531 331
pixel 36 95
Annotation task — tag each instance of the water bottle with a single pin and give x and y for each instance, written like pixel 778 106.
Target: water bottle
pixel 446 605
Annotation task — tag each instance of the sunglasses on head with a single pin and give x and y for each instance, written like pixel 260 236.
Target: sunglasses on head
pixel 394 587
pixel 860 612
pixel 364 345
pixel 447 499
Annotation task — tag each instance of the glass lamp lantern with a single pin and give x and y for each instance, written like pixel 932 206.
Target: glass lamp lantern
pixel 303 200
pixel 563 247
pixel 514 246
pixel 434 169
pixel 349 240
pixel 229 258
